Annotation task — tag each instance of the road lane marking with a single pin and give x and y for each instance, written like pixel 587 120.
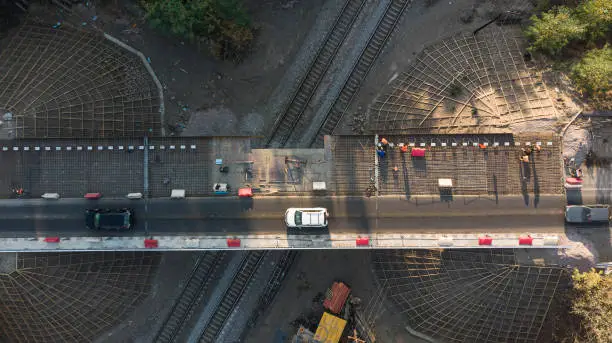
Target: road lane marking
pixel 400 214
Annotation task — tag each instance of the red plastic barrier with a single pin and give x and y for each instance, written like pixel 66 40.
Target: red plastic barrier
pixel 93 195
pixel 525 240
pixel 245 192
pixel 52 239
pixel 486 240
pixel 573 181
pixel 362 241
pixel 233 242
pixel 151 243
pixel 418 152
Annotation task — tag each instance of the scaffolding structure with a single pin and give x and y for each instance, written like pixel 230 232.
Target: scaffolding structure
pixel 467 295
pixel 72 297
pixel 69 82
pixel 466 83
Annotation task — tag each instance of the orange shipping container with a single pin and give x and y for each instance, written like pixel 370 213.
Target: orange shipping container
pixel 339 294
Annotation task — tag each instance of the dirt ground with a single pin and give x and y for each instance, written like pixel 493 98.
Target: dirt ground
pixel 312 273
pixel 227 98
pixel 423 25
pixel 143 324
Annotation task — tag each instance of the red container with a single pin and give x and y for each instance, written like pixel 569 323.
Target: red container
pixel 573 181
pixel 418 152
pixel 52 239
pixel 245 192
pixel 151 243
pixel 339 293
pixel 362 241
pixel 525 240
pixel 233 242
pixel 93 195
pixel 486 240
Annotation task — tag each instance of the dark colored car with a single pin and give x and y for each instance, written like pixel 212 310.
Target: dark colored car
pixel 109 219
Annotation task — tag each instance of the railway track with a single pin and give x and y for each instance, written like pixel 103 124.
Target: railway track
pixel 194 288
pixel 362 67
pixel 232 295
pixel 287 121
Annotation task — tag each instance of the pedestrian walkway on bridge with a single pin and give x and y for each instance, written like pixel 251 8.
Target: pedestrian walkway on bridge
pixel 474 165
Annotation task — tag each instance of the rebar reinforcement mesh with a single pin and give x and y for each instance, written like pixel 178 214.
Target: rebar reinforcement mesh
pixel 71 297
pixel 466 83
pixel 467 295
pixel 69 82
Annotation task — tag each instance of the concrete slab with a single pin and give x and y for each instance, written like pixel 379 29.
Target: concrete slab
pixel 290 171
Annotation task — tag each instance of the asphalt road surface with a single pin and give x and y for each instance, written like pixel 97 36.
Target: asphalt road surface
pixel 230 215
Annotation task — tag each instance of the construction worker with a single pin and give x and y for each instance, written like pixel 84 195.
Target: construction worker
pixel 538 148
pixel 525 155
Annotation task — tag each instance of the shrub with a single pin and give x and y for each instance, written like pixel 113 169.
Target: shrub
pixel 224 23
pixel 554 30
pixel 593 74
pixel 597 15
pixel 592 305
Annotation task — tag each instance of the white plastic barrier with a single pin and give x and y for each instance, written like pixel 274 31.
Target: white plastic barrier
pixel 445 183
pixel 51 196
pixel 318 186
pixel 551 240
pixel 177 194
pixel 134 196
pixel 445 242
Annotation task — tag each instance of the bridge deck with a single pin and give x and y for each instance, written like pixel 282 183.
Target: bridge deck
pixel 117 167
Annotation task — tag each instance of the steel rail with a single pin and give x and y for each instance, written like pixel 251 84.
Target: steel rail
pixel 385 27
pixel 232 296
pixel 286 122
pixel 194 288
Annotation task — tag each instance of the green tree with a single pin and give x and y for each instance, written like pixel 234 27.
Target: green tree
pixel 224 24
pixel 597 15
pixel 554 30
pixel 593 74
pixel 592 305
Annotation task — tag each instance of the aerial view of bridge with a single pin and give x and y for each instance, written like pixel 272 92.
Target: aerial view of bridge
pixel 390 183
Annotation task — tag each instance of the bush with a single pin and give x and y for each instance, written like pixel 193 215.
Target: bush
pixel 597 15
pixel 224 23
pixel 593 74
pixel 592 306
pixel 554 30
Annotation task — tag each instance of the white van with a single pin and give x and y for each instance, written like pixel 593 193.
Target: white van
pixel 587 214
pixel 306 217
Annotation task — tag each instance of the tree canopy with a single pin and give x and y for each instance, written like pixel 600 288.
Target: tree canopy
pixel 554 30
pixel 592 305
pixel 223 23
pixel 597 15
pixel 593 74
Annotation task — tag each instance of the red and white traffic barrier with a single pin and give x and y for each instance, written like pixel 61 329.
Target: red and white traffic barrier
pixel 284 241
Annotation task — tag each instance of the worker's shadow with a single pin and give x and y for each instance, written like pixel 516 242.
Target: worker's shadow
pixel 383 169
pixel 525 174
pixel 405 177
pixel 420 166
pixel 246 204
pixel 536 184
pixel 446 194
